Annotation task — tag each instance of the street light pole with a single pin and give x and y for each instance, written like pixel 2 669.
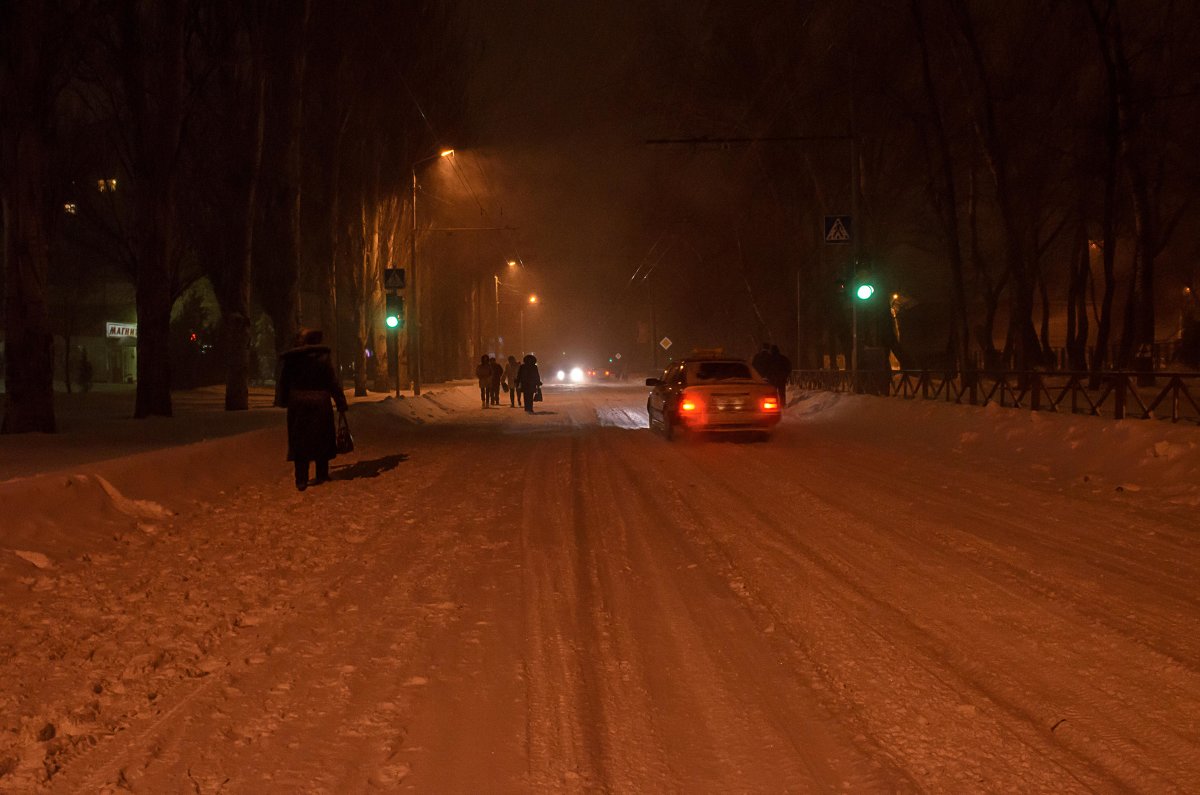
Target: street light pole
pixel 414 318
pixel 497 280
pixel 414 327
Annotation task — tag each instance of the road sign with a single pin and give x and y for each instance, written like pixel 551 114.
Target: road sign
pixel 837 228
pixel 618 356
pixel 393 278
pixel 665 342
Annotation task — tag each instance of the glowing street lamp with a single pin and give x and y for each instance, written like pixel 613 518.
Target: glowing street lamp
pixel 533 300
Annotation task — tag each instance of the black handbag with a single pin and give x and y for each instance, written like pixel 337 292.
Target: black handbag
pixel 345 440
pixel 537 396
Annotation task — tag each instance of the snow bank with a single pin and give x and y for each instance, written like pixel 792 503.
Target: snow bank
pixel 1155 456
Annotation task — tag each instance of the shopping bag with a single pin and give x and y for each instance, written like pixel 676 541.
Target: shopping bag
pixel 345 440
pixel 537 396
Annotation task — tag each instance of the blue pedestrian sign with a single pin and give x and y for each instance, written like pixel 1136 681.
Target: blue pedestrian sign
pixel 837 228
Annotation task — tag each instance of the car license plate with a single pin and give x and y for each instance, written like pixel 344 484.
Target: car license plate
pixel 728 404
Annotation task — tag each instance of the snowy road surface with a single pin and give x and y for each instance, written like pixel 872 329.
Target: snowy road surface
pixel 886 597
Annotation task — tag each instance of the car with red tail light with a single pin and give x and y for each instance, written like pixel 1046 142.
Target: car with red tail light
pixel 711 393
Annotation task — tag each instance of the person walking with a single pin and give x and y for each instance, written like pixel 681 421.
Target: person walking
pixel 307 383
pixel 780 368
pixel 484 374
pixel 529 379
pixel 497 379
pixel 510 380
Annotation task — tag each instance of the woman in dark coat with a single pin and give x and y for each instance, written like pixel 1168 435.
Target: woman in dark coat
pixel 528 379
pixel 307 382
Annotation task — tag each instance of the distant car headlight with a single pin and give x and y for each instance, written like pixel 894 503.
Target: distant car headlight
pixel 576 375
pixel 561 375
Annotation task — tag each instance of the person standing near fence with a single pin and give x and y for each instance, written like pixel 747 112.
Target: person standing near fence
pixel 779 370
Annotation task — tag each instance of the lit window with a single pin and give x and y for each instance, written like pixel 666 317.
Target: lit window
pixel 70 208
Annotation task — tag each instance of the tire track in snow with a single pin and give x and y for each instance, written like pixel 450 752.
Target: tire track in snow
pixel 869 511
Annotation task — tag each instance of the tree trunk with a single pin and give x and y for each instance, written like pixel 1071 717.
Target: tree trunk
pixel 29 343
pixel 27 102
pixel 945 203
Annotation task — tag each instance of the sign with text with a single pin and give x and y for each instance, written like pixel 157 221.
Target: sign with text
pixel 121 329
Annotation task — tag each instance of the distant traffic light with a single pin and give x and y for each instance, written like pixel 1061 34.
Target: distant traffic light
pixel 865 291
pixel 393 313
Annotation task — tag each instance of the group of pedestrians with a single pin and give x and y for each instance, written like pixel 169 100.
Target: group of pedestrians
pixel 776 368
pixel 522 381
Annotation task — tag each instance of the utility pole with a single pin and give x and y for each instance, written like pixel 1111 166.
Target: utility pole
pixel 497 280
pixel 653 328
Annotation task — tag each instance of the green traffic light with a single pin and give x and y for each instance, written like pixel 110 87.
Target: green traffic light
pixel 392 321
pixel 865 291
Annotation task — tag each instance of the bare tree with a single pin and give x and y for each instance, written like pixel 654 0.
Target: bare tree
pixel 37 43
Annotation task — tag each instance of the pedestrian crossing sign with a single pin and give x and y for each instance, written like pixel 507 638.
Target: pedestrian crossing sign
pixel 393 278
pixel 837 228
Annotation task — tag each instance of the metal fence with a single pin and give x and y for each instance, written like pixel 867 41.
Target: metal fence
pixel 1118 394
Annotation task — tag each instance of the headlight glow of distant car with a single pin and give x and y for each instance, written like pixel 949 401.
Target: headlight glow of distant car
pixel 576 375
pixel 561 375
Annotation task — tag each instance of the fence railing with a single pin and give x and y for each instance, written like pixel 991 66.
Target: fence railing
pixel 1117 394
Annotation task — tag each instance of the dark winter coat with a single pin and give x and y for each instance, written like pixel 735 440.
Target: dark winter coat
pixel 307 382
pixel 762 363
pixel 497 374
pixel 780 368
pixel 528 377
pixel 483 373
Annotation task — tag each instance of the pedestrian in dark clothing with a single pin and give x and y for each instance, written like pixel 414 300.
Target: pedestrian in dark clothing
pixel 510 380
pixel 483 373
pixel 781 370
pixel 529 379
pixel 762 361
pixel 307 382
pixel 497 378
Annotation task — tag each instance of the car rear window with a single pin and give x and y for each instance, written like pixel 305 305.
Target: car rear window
pixel 722 371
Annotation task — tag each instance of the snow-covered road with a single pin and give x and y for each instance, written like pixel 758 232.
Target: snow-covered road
pixel 886 597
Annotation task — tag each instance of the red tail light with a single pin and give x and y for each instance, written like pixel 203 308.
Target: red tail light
pixel 689 404
pixel 770 404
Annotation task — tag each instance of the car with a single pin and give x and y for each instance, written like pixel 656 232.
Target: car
pixel 604 373
pixel 712 393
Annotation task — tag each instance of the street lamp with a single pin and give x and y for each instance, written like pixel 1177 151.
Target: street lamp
pixel 414 326
pixel 533 299
pixel 512 264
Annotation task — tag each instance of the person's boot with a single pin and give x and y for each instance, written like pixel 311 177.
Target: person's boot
pixel 301 475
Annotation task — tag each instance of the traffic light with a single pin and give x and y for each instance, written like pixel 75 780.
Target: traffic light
pixel 864 291
pixel 393 313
